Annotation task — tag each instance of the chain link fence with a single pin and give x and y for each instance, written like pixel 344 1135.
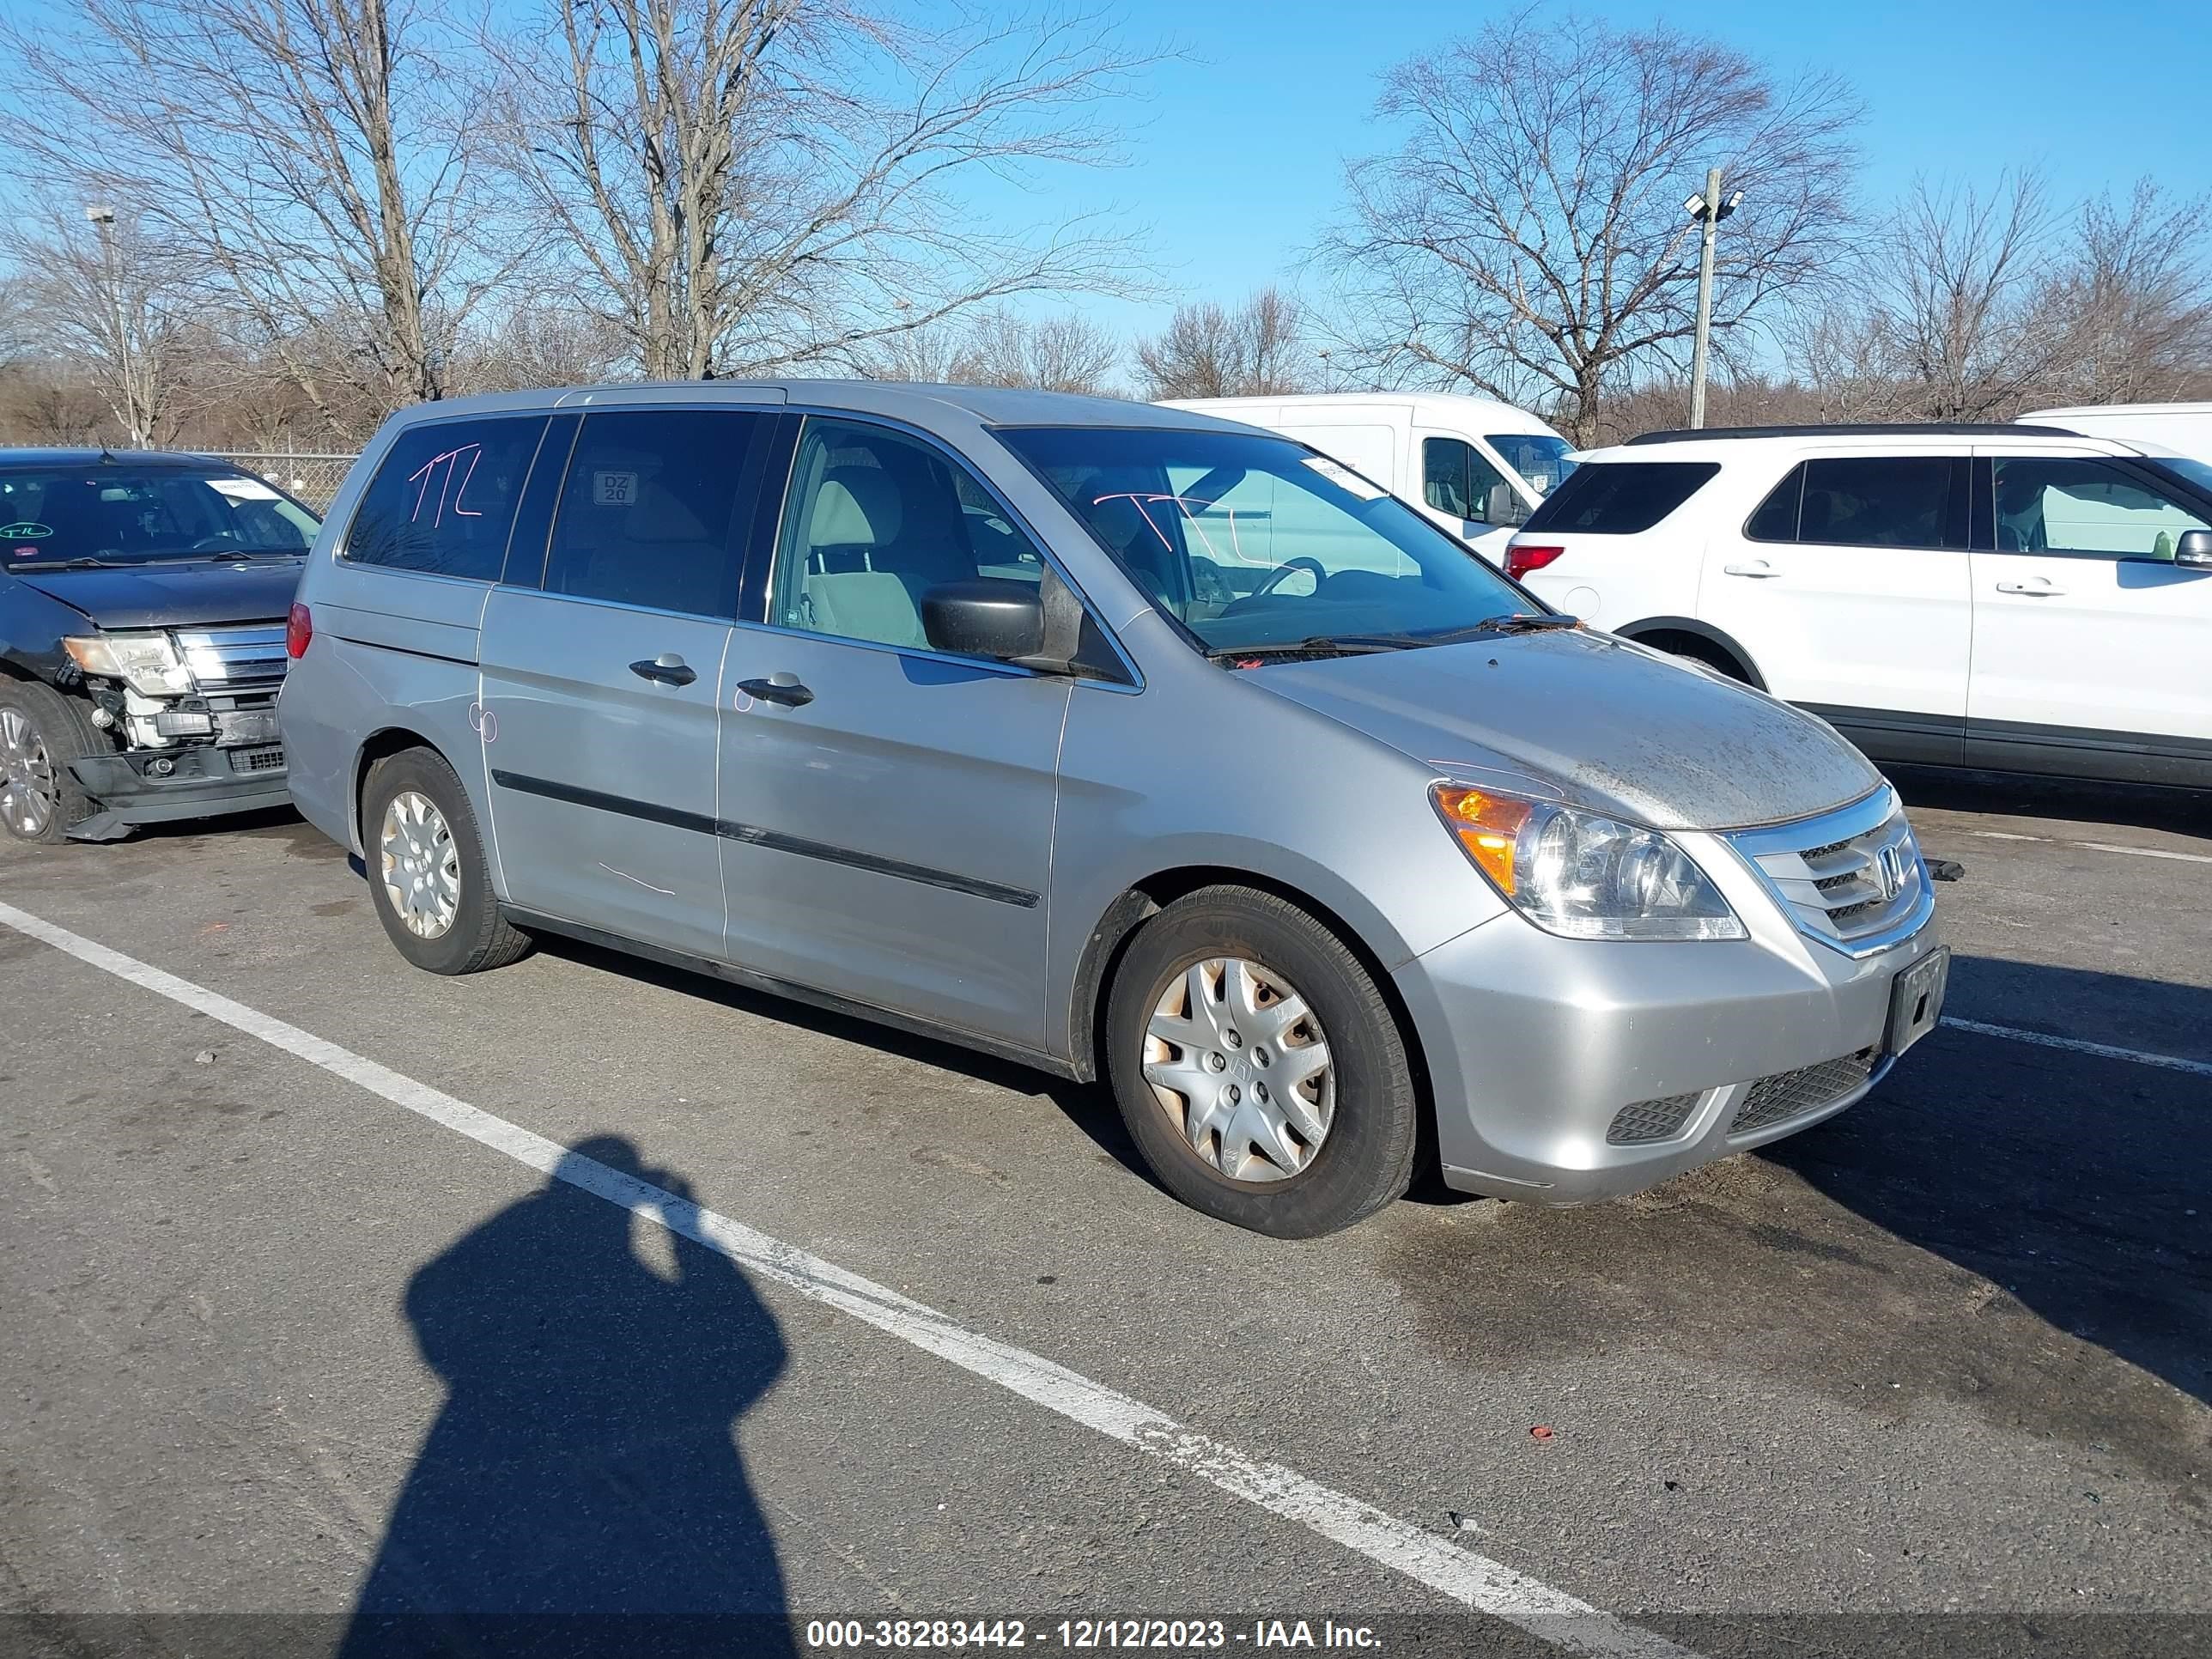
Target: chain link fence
pixel 313 478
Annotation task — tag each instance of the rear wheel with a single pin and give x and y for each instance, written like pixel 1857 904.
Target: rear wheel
pixel 1714 657
pixel 1258 1066
pixel 428 875
pixel 41 731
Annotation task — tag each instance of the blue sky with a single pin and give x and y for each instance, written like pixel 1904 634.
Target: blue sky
pixel 1238 151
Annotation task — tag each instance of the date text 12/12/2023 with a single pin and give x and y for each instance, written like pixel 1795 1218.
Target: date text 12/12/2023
pixel 1091 1635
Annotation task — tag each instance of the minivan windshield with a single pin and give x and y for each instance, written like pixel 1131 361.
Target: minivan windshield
pixel 1539 457
pixel 1255 542
pixel 104 513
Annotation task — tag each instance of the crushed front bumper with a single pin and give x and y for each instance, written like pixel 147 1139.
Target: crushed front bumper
pixel 1544 1053
pixel 206 781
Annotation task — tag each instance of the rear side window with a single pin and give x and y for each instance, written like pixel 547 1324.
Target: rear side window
pixel 1776 518
pixel 1618 498
pixel 1878 501
pixel 443 499
pixel 657 509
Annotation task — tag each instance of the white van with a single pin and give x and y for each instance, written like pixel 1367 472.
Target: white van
pixel 1476 466
pixel 2185 429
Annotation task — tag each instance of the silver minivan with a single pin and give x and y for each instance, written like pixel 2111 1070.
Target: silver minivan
pixel 1129 743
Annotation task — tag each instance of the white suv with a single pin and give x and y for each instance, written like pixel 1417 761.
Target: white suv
pixel 2012 598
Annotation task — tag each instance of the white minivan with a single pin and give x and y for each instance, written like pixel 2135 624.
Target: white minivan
pixel 1476 466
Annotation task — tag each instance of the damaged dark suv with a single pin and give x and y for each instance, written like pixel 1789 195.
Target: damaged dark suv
pixel 144 599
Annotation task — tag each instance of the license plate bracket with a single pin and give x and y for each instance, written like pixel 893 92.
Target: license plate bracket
pixel 1916 999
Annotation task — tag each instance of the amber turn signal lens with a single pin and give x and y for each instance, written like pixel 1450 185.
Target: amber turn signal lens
pixel 1487 826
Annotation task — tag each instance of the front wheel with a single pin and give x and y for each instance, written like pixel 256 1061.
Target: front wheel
pixel 1258 1066
pixel 41 731
pixel 428 875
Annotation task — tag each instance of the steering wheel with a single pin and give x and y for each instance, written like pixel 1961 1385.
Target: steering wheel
pixel 1275 578
pixel 212 543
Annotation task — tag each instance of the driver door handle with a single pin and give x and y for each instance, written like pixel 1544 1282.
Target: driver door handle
pixel 2040 588
pixel 668 668
pixel 1758 567
pixel 778 688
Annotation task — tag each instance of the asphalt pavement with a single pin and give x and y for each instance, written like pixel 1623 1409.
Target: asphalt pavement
pixel 291 1331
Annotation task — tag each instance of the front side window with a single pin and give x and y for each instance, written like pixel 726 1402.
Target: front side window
pixel 656 508
pixel 1880 500
pixel 1620 498
pixel 443 499
pixel 1255 542
pixel 1541 458
pixel 1456 479
pixel 875 519
pixel 2054 505
pixel 110 515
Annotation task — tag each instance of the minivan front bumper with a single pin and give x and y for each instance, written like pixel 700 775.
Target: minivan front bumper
pixel 1538 1047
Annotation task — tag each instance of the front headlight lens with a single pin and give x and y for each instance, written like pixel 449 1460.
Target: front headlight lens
pixel 1582 876
pixel 146 663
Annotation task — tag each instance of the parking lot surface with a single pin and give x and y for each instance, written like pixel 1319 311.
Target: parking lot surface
pixel 286 1335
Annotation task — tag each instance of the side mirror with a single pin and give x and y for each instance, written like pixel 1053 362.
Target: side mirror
pixel 1503 507
pixel 987 617
pixel 2194 550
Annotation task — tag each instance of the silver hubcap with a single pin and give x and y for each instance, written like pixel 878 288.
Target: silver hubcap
pixel 1241 1066
pixel 422 866
pixel 29 793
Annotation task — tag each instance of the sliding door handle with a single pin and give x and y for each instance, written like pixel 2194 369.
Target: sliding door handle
pixel 668 668
pixel 778 688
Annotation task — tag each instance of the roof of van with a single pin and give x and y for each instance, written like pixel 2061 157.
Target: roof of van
pixel 1481 414
pixel 2078 412
pixel 914 401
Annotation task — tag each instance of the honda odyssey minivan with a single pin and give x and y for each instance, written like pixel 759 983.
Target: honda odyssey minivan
pixel 1125 742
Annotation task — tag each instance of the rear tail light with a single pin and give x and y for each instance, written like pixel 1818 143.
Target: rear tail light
pixel 1522 557
pixel 298 630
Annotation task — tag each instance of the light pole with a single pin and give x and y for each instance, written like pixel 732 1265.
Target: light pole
pixel 104 216
pixel 1709 211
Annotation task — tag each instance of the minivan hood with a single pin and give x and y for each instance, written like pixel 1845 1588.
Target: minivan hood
pixel 185 593
pixel 1604 724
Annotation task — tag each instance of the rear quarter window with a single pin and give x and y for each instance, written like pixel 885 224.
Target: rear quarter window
pixel 444 497
pixel 1618 498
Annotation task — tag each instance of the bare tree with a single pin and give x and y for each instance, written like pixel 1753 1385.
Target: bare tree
pixel 1960 280
pixel 310 156
pixel 2137 296
pixel 755 184
pixel 1528 238
pixel 128 319
pixel 1256 351
pixel 1066 352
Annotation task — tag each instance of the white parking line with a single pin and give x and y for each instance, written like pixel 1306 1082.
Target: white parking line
pixel 2075 1045
pixel 2095 845
pixel 1475 1581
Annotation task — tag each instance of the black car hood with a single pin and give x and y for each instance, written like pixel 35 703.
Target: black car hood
pixel 179 593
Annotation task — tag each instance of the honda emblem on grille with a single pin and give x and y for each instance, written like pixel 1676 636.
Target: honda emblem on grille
pixel 1890 870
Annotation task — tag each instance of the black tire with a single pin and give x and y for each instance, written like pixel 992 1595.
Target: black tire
pixel 1366 1159
pixel 1688 646
pixel 63 731
pixel 478 937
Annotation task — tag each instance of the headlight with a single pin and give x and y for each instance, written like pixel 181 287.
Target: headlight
pixel 1582 876
pixel 145 663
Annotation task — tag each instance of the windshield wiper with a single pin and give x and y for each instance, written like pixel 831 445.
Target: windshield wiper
pixel 1526 622
pixel 1320 645
pixel 82 561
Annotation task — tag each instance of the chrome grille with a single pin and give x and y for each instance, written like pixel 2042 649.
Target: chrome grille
pixel 1851 878
pixel 1652 1119
pixel 226 658
pixel 1785 1095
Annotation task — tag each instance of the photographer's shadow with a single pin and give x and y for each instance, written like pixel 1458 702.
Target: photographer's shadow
pixel 581 1492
